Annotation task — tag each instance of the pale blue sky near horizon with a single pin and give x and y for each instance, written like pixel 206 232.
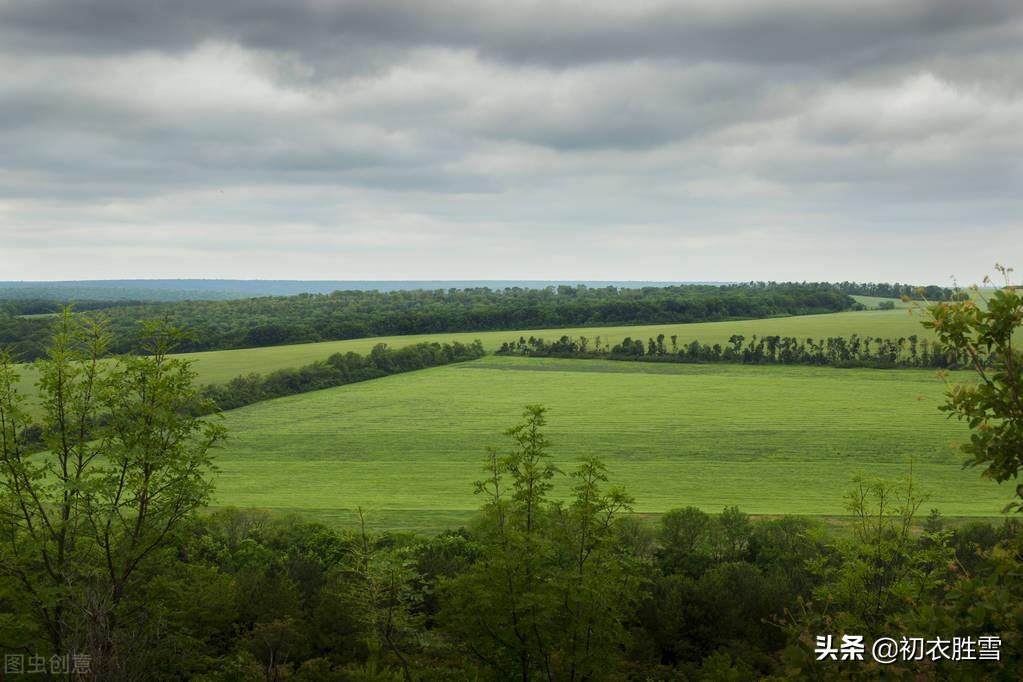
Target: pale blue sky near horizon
pixel 464 140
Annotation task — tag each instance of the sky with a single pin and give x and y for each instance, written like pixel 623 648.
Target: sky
pixel 876 140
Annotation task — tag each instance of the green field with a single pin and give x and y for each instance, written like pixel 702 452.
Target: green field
pixel 770 439
pixel 872 301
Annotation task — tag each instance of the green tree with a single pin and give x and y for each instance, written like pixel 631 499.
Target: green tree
pixel 883 570
pixel 380 590
pixel 684 537
pixel 548 597
pixel 86 518
pixel 983 333
pixel 877 581
pixel 599 586
pixel 980 327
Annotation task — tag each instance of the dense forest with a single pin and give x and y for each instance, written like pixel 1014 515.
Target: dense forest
pixel 855 351
pixel 272 321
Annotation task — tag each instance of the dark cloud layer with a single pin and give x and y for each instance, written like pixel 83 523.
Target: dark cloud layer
pixel 409 139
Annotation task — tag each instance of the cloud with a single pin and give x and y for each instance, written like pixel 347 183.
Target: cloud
pixel 643 140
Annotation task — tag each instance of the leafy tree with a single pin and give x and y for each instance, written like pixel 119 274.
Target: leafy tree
pixel 555 581
pixel 380 586
pixel 683 539
pixel 734 529
pixel 85 521
pixel 875 581
pixel 599 586
pixel 993 406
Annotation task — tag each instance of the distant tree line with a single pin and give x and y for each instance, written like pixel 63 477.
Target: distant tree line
pixel 129 292
pixel 883 290
pixel 855 351
pixel 278 320
pixel 337 370
pixel 46 306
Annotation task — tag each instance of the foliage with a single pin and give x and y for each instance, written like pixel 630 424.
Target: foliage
pixel 855 351
pixel 993 406
pixel 279 320
pixel 84 523
pixel 882 570
pixel 555 582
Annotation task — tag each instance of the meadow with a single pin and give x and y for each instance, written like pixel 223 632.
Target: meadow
pixel 773 440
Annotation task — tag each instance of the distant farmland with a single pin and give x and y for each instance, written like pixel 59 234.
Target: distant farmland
pixel 222 366
pixel 772 440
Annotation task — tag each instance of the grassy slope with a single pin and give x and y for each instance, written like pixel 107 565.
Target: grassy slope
pixel 770 439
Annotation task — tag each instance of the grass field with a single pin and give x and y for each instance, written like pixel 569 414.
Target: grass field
pixel 770 439
pixel 872 301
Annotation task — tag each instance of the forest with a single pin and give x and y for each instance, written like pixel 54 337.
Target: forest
pixel 305 318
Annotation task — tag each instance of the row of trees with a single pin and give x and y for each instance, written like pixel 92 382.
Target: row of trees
pixel 896 290
pixel 855 351
pixel 339 369
pixel 277 320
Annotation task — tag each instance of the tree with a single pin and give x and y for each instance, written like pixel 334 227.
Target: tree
pixel 877 581
pixel 883 570
pixel 599 585
pixel 683 537
pixel 124 465
pixel 555 579
pixel 735 530
pixel 509 636
pixel 379 586
pixel 993 406
pixel 43 496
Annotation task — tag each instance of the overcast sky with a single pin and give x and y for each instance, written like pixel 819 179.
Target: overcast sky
pixel 308 139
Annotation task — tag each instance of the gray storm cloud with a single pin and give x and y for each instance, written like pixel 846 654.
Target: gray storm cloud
pixel 412 140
